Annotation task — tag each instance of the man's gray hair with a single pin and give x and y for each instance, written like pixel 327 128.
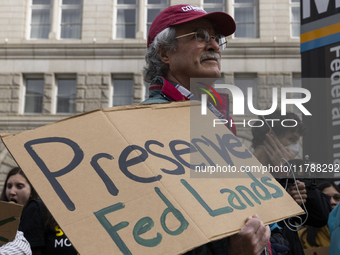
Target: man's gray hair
pixel 164 41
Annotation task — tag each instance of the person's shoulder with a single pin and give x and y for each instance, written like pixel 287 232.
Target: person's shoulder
pixel 334 219
pixel 34 206
pixel 33 215
pixel 155 100
pixel 155 96
pixel 35 203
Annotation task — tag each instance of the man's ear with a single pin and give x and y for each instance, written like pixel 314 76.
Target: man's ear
pixel 163 55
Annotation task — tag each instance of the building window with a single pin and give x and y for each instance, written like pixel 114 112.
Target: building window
pixel 154 7
pixel 129 12
pixel 213 5
pixel 71 16
pixel 245 15
pixel 40 19
pixel 34 95
pixel 66 96
pixel 68 19
pixel 244 82
pixel 295 18
pixel 126 19
pixel 122 92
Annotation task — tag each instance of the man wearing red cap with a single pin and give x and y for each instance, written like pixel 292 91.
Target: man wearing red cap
pixel 186 42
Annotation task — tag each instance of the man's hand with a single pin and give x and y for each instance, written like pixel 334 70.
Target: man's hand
pixel 294 193
pixel 276 151
pixel 252 239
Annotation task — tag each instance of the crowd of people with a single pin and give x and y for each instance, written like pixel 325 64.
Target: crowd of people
pixel 186 42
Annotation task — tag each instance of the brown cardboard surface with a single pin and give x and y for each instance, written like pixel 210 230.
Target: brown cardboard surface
pixel 119 176
pixel 317 251
pixel 9 221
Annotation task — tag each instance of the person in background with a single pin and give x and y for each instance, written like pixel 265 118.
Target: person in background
pixel 186 42
pixel 331 191
pixel 276 145
pixel 320 237
pixel 334 230
pixel 19 246
pixel 18 190
pixel 37 224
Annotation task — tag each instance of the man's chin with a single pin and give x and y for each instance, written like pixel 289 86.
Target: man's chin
pixel 212 74
pixel 212 71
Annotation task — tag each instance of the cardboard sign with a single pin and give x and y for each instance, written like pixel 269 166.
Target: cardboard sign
pixel 317 251
pixel 9 221
pixel 118 180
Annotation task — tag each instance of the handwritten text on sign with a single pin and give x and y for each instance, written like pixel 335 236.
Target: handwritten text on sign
pixel 226 144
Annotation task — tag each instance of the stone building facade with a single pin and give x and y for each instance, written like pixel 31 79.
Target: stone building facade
pixel 101 54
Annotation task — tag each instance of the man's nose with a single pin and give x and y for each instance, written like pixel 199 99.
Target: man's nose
pixel 212 45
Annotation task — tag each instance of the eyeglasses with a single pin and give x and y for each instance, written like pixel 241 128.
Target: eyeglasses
pixel 336 197
pixel 203 38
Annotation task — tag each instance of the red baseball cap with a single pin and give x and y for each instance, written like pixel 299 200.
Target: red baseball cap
pixel 179 14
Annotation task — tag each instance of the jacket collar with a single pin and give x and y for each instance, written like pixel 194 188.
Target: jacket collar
pixel 167 88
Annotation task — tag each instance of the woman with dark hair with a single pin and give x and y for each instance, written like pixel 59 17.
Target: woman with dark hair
pixel 320 237
pixel 331 191
pixel 36 222
pixel 17 189
pixel 17 179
